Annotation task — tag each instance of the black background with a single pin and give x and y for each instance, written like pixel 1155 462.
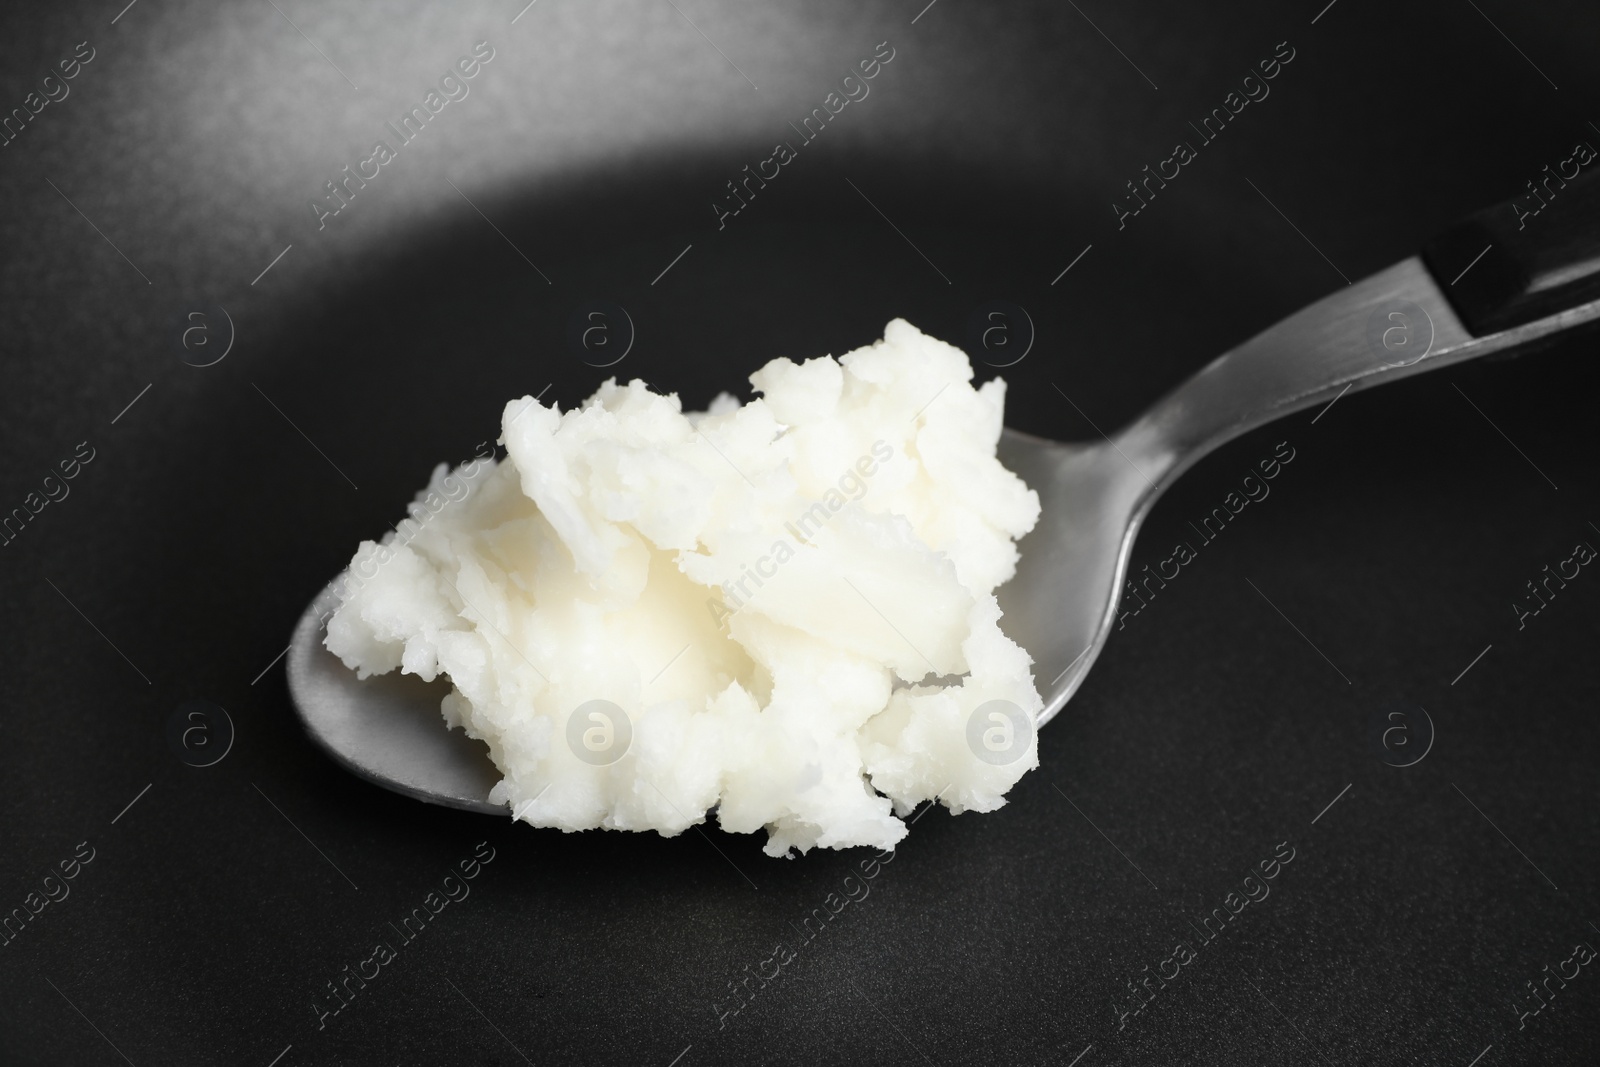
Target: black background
pixel 1208 732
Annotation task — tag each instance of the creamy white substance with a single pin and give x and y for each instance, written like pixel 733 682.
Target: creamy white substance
pixel 782 609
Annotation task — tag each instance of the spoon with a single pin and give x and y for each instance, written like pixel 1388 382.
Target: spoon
pixel 1510 289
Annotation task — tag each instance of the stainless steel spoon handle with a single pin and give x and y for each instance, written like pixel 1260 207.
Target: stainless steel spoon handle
pixel 1391 325
pixel 1515 282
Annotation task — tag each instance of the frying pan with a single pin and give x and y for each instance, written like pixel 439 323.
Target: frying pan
pixel 145 607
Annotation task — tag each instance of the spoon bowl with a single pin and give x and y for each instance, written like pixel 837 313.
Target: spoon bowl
pixel 1062 602
pixel 387 728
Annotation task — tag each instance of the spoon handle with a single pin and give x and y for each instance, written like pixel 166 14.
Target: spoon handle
pixel 1527 258
pixel 1526 286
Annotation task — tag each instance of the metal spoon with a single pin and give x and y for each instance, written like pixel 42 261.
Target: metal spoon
pixel 1063 600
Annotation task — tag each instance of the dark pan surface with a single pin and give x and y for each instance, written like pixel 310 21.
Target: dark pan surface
pixel 218 907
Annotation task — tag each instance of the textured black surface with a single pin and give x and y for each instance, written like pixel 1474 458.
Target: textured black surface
pixel 1397 540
